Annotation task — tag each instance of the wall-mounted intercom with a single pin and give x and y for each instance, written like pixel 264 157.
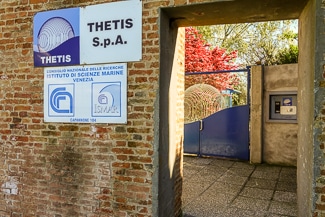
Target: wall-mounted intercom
pixel 282 106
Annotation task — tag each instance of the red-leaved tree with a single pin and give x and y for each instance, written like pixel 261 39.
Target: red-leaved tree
pixel 199 57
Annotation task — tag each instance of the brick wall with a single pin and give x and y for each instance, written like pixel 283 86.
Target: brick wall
pixel 66 170
pixel 56 169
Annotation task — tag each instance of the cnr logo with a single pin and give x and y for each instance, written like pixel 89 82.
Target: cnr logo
pixel 61 100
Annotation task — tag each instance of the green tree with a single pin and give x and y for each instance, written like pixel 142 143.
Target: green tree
pixel 240 96
pixel 266 43
pixel 288 55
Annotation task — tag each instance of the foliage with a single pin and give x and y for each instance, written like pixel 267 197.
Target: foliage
pixel 256 43
pixel 288 55
pixel 201 57
pixel 241 86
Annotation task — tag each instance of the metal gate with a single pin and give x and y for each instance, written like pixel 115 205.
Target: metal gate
pixel 224 133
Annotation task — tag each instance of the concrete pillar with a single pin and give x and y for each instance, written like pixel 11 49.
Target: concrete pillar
pixel 256 115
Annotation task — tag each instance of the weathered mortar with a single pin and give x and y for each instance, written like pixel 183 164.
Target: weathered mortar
pixel 55 169
pixel 317 125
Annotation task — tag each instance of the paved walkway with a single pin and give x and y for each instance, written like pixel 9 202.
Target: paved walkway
pixel 223 188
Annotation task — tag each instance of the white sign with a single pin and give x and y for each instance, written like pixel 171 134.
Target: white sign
pixel 111 32
pixel 86 94
pixel 103 33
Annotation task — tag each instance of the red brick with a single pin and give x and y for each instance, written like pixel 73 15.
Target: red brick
pixel 121 165
pixel 122 151
pixel 74 169
pixel 38 1
pixel 136 188
pixel 320 206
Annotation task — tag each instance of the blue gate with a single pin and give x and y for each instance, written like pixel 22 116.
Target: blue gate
pixel 223 134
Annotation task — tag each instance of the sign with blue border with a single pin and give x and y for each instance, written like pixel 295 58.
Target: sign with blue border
pixel 103 33
pixel 86 94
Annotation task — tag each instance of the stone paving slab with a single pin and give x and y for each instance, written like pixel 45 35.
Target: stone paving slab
pixel 258 193
pixel 261 183
pixel 224 188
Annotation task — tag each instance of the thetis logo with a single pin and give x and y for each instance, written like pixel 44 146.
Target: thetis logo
pixel 61 100
pixel 106 99
pixel 53 33
pixel 56 38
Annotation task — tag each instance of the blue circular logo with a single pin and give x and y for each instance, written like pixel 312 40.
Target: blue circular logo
pixel 53 33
